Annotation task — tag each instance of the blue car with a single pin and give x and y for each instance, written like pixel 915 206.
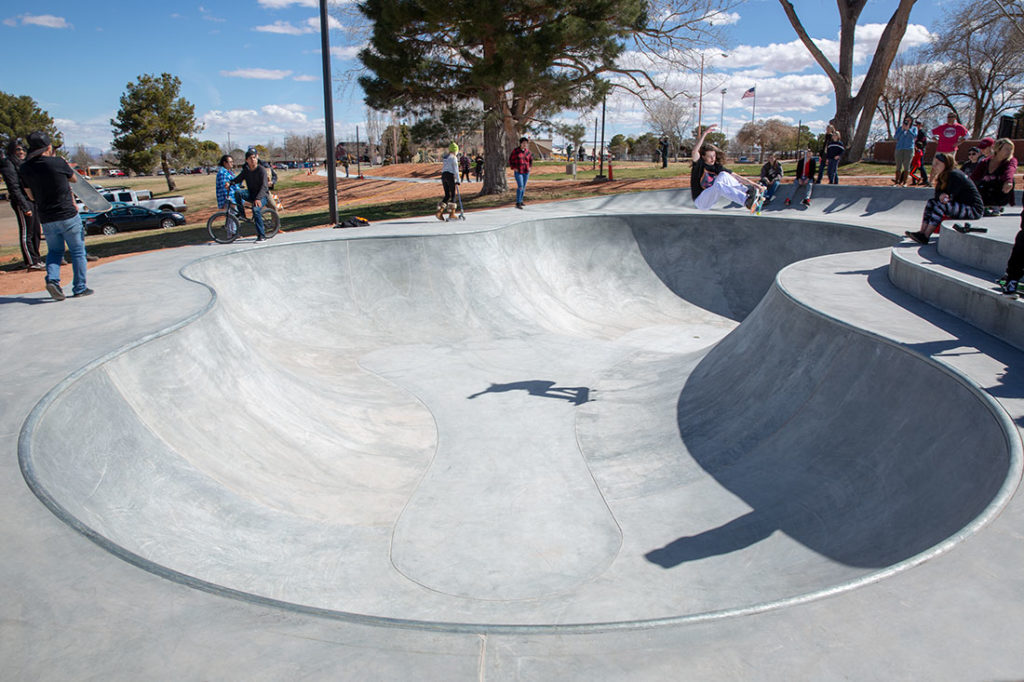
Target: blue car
pixel 124 218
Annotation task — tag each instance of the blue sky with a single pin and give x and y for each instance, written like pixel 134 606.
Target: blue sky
pixel 252 68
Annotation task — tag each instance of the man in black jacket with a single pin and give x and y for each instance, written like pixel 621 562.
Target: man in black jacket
pixel 258 182
pixel 29 228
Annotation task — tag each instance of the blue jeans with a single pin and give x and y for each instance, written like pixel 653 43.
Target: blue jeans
pixel 72 233
pixel 773 187
pixel 257 215
pixel 833 171
pixel 521 179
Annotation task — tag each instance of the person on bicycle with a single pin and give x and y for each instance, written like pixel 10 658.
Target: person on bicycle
pixel 225 175
pixel 257 188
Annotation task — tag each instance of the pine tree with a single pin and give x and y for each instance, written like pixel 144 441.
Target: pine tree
pixel 522 60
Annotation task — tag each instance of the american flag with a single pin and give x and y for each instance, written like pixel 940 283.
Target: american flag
pixel 749 93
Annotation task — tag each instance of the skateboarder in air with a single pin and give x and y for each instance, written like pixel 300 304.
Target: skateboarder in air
pixel 710 180
pixel 805 168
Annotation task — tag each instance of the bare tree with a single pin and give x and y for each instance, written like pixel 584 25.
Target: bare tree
pixel 981 59
pixel 908 91
pixel 669 118
pixel 854 113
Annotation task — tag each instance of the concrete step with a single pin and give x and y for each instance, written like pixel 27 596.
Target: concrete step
pixel 986 251
pixel 963 290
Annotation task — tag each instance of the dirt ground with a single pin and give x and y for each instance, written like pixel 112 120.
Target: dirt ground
pixel 353 192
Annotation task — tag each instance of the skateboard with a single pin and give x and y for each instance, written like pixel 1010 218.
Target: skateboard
pixel 89 196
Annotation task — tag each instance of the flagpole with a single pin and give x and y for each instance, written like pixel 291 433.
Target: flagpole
pixel 753 106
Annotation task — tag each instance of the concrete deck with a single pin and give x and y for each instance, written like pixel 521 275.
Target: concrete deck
pixel 607 439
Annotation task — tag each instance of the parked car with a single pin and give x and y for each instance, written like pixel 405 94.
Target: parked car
pixel 124 218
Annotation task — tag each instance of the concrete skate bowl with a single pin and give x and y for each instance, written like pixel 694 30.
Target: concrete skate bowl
pixel 555 424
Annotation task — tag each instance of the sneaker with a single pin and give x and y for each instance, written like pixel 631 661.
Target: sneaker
pixel 1009 286
pixel 84 292
pixel 806 202
pixel 751 198
pixel 261 238
pixel 37 266
pixel 53 288
pixel 519 206
pixel 918 236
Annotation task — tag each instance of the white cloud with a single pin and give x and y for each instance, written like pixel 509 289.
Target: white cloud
pixel 347 51
pixel 306 78
pixel 282 27
pixel 44 20
pixel 281 4
pixel 262 74
pixel 254 126
pixel 722 18
pixel 310 25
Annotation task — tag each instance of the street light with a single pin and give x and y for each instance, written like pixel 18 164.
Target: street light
pixel 700 94
pixel 721 124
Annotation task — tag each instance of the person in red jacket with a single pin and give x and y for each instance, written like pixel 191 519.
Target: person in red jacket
pixel 805 168
pixel 521 161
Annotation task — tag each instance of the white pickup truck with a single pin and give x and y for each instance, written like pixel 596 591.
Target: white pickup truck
pixel 139 197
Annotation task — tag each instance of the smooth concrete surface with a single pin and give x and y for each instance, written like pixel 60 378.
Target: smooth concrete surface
pixel 540 448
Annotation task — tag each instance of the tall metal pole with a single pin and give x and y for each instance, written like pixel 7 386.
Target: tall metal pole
pixel 721 123
pixel 600 173
pixel 594 149
pixel 359 157
pixel 700 97
pixel 325 48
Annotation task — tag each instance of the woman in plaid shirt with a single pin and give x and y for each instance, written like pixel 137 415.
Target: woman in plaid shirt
pixel 520 161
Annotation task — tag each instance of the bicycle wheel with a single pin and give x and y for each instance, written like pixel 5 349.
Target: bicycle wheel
pixel 271 222
pixel 223 228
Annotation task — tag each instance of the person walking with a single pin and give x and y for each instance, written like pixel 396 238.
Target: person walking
pixel 46 180
pixel 521 161
pixel 29 227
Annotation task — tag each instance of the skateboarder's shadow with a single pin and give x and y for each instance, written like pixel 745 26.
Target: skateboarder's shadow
pixel 544 389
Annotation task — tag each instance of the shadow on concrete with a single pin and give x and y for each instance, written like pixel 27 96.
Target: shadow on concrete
pixel 576 395
pixel 738 534
pixel 25 300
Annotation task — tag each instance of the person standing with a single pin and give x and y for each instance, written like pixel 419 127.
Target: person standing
pixel 464 167
pixel 449 179
pixel 478 167
pixel 663 150
pixel 29 227
pixel 949 135
pixel 905 136
pixel 521 161
pixel 833 152
pixel 47 180
pixel 257 187
pixel 830 131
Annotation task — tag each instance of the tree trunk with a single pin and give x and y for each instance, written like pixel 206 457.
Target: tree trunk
pixel 855 113
pixel 495 149
pixel 167 172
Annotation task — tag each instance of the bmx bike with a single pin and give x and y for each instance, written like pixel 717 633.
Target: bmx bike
pixel 225 226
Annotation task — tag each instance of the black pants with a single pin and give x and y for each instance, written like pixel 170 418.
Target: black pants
pixel 29 235
pixel 448 182
pixel 1015 266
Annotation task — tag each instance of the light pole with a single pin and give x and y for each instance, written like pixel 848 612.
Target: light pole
pixel 700 94
pixel 721 124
